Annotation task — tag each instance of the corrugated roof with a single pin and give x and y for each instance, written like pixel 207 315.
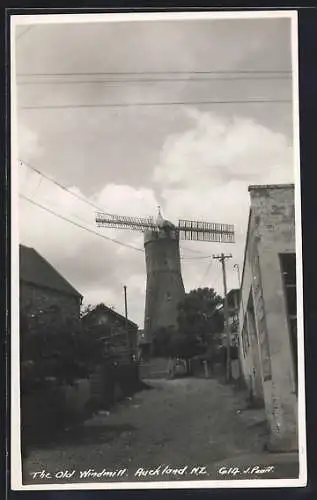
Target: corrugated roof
pixel 36 270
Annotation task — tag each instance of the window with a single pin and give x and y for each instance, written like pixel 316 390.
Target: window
pixel 288 270
pixel 168 296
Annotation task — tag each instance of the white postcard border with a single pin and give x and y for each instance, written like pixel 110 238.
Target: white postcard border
pixel 16 462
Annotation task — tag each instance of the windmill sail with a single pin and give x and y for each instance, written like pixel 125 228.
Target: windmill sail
pixel 164 285
pixel 125 222
pixel 205 231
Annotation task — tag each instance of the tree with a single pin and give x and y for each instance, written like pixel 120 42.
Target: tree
pixel 184 346
pixel 85 309
pixel 199 314
pixel 59 350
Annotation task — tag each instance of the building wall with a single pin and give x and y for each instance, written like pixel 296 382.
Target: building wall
pixel 271 232
pixel 248 342
pixel 164 287
pixel 38 302
pixel 109 324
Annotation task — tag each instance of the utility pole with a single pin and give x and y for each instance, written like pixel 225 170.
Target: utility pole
pixel 222 258
pixel 126 311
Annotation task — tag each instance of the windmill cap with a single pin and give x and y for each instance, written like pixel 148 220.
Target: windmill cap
pixel 161 222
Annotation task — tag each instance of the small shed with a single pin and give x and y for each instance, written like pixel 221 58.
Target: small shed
pixel 118 333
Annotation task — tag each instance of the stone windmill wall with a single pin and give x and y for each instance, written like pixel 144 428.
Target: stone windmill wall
pixel 164 287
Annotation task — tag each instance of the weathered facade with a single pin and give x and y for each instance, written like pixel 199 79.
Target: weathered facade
pixel 267 317
pixel 233 299
pixel 119 334
pixel 164 286
pixel 119 369
pixel 45 295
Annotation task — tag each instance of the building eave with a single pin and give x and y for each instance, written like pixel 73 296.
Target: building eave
pixel 246 247
pixel 270 186
pixel 103 307
pixel 52 289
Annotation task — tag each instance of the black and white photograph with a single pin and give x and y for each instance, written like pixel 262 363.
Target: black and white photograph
pixel 157 303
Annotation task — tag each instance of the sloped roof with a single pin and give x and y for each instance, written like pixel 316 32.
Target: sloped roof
pixel 34 269
pixel 109 310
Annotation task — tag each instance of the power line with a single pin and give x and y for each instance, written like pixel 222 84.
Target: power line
pixel 206 273
pixel 24 32
pixel 81 198
pixel 191 250
pixel 80 226
pixel 153 80
pixel 148 104
pixel 222 259
pixel 85 200
pixel 66 219
pixel 196 258
pixel 135 73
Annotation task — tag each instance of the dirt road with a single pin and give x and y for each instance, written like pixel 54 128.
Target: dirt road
pixel 176 423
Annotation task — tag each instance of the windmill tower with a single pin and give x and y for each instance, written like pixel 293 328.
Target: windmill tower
pixel 164 285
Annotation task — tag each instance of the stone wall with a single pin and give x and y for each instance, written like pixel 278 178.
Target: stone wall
pixel 275 217
pixel 37 303
pixel 251 362
pixel 106 323
pixel 164 286
pixel 244 338
pixel 271 232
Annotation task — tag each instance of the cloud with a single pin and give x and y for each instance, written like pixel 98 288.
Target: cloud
pixel 97 267
pixel 203 173
pixel 219 150
pixel 200 173
pixel 29 144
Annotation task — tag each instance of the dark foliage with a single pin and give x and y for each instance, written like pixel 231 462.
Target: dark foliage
pixel 198 319
pixel 56 352
pixel 198 314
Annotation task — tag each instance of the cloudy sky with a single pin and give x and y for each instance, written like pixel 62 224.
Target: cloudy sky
pixel 76 124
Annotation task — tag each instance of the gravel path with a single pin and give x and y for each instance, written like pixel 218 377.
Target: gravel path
pixel 177 423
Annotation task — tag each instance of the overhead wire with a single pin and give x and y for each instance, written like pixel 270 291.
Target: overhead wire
pixel 148 76
pixel 190 250
pixel 85 200
pixel 153 104
pixel 152 80
pixel 196 258
pixel 80 226
pixel 205 273
pixel 66 219
pixel 27 29
pixel 79 197
pixel 173 72
pixel 88 202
